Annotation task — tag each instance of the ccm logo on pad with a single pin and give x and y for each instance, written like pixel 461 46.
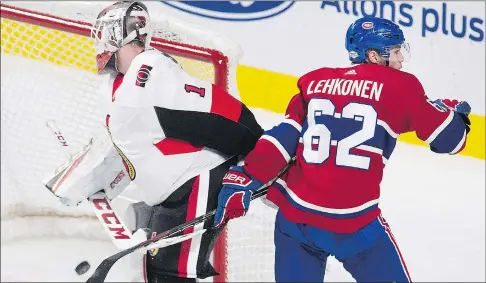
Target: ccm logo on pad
pixel 234 178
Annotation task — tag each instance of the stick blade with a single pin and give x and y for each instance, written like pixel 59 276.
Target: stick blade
pixel 104 268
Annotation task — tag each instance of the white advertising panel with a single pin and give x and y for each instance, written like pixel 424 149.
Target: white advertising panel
pixel 291 37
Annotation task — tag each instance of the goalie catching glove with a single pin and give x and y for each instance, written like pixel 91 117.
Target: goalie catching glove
pixel 97 167
pixel 234 198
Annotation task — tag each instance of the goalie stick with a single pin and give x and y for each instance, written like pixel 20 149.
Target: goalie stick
pixel 119 234
pixel 104 268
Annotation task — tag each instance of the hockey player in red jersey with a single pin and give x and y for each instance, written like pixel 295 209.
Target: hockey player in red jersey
pixel 342 127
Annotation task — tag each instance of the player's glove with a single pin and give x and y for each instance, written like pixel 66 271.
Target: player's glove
pixel 461 107
pixel 455 105
pixel 234 197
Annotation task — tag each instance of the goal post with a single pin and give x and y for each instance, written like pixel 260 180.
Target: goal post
pixel 48 72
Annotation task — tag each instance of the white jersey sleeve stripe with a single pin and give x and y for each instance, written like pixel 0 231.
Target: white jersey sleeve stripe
pixel 387 128
pixel 294 124
pixel 461 143
pixel 370 149
pixel 279 146
pixel 439 129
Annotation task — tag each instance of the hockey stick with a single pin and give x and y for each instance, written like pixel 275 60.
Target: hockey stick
pixel 119 234
pixel 104 268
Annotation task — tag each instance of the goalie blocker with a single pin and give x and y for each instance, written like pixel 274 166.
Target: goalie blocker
pixel 97 167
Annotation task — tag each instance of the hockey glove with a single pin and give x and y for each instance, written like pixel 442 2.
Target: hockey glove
pixel 461 107
pixel 234 197
pixel 454 105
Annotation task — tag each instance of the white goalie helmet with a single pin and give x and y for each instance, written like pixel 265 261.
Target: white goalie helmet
pixel 116 26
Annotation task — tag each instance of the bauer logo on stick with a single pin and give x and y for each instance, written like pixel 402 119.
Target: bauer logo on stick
pixel 143 75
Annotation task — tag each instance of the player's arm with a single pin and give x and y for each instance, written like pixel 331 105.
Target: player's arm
pixel 443 127
pixel 277 146
pixel 204 114
pixel 271 154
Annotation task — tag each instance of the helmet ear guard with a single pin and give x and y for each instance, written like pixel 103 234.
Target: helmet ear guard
pixel 116 26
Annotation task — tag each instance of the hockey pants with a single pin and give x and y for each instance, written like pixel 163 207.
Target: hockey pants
pixel 189 259
pixel 369 255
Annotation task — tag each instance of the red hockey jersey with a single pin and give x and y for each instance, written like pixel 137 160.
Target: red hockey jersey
pixel 342 128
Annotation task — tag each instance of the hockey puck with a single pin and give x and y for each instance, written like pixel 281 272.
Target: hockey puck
pixel 82 268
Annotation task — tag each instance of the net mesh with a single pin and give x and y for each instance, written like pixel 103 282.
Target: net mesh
pixel 72 50
pixel 47 74
pixel 50 74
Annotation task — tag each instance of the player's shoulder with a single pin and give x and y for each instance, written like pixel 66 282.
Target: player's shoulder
pixel 155 56
pixel 396 80
pixel 329 72
pixel 387 72
pixel 320 74
pixel 408 77
pixel 149 61
pixel 323 71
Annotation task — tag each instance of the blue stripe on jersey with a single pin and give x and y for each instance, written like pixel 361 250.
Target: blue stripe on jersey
pixel 450 137
pixel 341 128
pixel 382 140
pixel 326 214
pixel 287 135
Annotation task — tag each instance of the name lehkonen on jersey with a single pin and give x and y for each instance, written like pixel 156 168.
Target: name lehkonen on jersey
pixel 361 88
pixel 232 10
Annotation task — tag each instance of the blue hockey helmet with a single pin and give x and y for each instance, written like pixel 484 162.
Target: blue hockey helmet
pixel 376 34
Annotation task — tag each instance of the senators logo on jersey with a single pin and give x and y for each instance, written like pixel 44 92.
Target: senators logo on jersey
pixel 143 75
pixel 128 165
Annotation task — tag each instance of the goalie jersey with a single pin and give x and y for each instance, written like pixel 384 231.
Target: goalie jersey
pixel 168 127
pixel 342 128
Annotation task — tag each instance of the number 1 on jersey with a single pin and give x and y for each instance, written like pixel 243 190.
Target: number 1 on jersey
pixel 317 137
pixel 194 89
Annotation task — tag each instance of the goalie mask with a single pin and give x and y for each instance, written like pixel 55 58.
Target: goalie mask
pixel 117 26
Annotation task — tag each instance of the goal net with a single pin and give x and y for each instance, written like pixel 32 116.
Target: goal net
pixel 48 72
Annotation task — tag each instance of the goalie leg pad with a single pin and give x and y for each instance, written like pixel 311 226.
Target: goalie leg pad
pixel 190 258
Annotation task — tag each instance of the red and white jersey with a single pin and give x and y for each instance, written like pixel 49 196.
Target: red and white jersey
pixel 342 128
pixel 169 127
